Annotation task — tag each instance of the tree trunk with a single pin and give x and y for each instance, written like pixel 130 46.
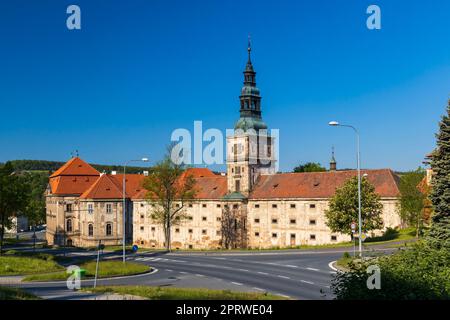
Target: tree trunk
pixel 34 237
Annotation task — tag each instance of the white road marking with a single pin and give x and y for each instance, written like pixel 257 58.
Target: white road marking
pixel 169 270
pixel 313 269
pixel 284 277
pixel 147 259
pixel 331 266
pixel 199 275
pixel 283 295
pixel 139 259
pixel 265 273
pixel 219 258
pixel 259 289
pixel 291 266
pixel 182 272
pixel 308 282
pixel 237 283
pixel 242 270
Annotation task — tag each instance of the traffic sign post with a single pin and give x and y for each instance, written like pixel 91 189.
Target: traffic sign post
pixel 353 227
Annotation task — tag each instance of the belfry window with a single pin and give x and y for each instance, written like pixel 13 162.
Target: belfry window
pixel 90 230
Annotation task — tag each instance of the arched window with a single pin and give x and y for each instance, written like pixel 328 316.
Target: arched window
pixel 109 229
pixel 69 225
pixel 90 230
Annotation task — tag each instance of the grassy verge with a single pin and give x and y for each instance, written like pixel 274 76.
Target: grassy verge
pixel 22 265
pixel 16 294
pixel 164 293
pixel 106 269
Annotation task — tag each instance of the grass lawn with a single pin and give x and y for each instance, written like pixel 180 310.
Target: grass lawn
pixel 105 269
pixel 164 293
pixel 16 294
pixel 20 265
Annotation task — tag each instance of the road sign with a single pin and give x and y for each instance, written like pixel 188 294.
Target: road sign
pixel 363 236
pixel 353 226
pixel 135 248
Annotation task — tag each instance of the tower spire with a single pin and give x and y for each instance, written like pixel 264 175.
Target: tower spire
pixel 333 160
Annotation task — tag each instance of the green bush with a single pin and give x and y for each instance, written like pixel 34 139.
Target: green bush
pixel 420 272
pixel 346 255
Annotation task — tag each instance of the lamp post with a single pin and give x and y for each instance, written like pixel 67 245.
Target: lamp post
pixel 123 203
pixel 337 124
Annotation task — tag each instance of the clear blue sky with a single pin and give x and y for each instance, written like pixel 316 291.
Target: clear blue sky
pixel 137 70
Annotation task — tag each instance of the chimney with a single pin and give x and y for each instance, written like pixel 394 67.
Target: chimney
pixel 113 173
pixel 145 173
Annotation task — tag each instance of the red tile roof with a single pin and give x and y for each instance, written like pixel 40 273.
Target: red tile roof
pixel 207 184
pixel 75 167
pixel 71 185
pixel 106 187
pixel 320 184
pixel 110 186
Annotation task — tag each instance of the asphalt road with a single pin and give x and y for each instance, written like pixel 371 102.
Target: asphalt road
pixel 296 274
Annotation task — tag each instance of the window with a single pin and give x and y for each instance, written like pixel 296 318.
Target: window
pixel 238 186
pixel 153 229
pixel 109 229
pixel 312 206
pixel 142 228
pixel 190 205
pixel 293 221
pixel 274 235
pixel 142 205
pixel 204 231
pixel 204 205
pixel 274 220
pixel 312 222
pixel 257 220
pixel 90 208
pixel 203 218
pixel 333 238
pixel 256 206
pixel 274 206
pixel 177 205
pixel 256 234
pixel 190 246
pixel 190 218
pixel 312 237
pixel 177 230
pixel 219 218
pixel 69 207
pixel 90 230
pixel 292 205
pixel 238 170
pixel 218 205
pixel 218 233
pixel 108 208
pixel 235 206
pixel 190 231
pixel 142 216
pixel 69 225
pixel 292 236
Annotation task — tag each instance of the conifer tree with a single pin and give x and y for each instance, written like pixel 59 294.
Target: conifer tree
pixel 439 235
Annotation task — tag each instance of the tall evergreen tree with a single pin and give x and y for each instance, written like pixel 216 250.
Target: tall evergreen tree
pixel 439 235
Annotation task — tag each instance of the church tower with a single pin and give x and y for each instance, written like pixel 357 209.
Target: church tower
pixel 250 148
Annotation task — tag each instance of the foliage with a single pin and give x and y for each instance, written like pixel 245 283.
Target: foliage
pixel 16 265
pixel 105 269
pixel 164 293
pixel 439 235
pixel 309 167
pixel 169 190
pixel 13 195
pixel 411 202
pixel 50 166
pixel 232 229
pixel 343 207
pixel 421 272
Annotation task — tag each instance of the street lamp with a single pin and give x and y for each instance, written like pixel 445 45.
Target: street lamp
pixel 337 124
pixel 123 203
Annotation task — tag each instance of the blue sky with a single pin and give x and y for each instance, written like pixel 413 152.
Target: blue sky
pixel 137 70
